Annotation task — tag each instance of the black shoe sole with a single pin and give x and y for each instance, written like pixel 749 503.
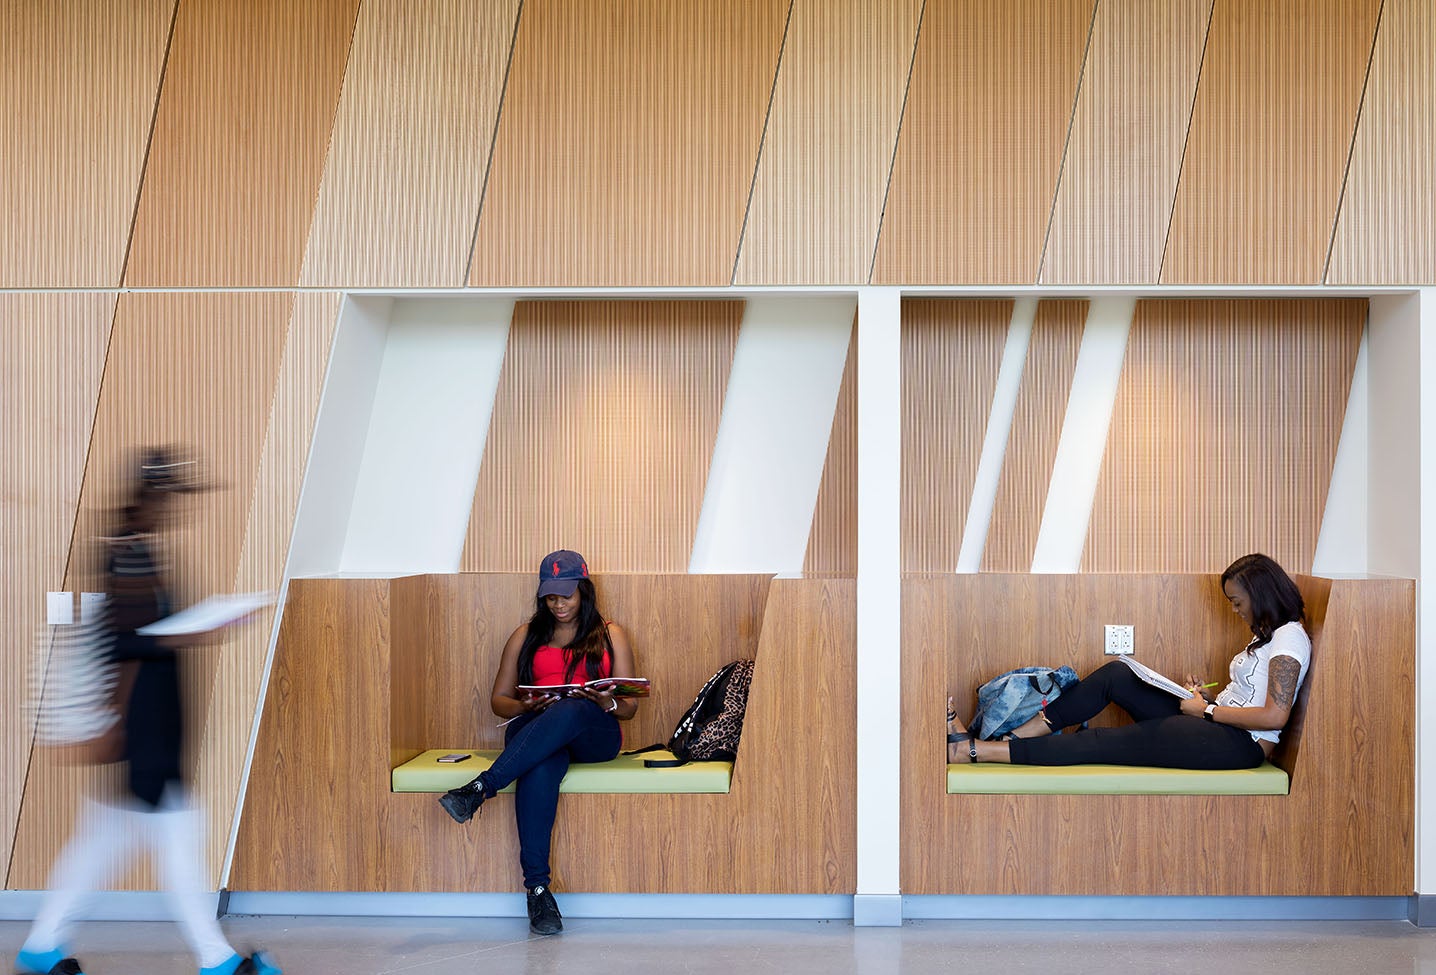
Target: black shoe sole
pixel 457 807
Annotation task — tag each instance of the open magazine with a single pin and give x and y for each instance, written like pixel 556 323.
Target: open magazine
pixel 209 614
pixel 1155 679
pixel 617 686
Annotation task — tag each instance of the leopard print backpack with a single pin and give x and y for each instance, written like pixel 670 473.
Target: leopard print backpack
pixel 709 730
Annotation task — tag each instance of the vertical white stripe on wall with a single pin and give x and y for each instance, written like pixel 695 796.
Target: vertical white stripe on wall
pixel 426 437
pixel 1078 461
pixel 994 442
pixel 1341 544
pixel 773 438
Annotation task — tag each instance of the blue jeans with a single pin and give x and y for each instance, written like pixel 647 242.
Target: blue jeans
pixel 538 748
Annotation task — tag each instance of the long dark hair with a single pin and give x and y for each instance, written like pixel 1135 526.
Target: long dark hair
pixel 1272 596
pixel 589 644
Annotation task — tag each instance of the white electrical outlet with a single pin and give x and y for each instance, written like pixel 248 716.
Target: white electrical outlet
pixel 1119 638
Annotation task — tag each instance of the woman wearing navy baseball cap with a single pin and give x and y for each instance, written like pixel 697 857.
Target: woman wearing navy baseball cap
pixel 566 641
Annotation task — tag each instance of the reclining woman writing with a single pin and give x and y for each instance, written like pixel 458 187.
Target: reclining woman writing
pixel 566 641
pixel 1236 729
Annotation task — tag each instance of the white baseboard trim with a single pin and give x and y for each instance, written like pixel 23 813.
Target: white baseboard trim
pixel 877 910
pixel 105 905
pixel 717 906
pixel 1079 908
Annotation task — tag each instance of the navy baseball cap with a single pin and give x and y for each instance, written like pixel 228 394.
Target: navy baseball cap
pixel 559 573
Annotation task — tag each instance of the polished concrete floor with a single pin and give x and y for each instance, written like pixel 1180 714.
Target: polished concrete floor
pixel 388 946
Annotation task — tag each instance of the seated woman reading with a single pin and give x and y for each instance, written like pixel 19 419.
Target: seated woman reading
pixel 566 641
pixel 1237 729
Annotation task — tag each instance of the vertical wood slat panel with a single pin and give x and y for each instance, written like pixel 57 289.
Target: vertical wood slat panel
pixel 1032 442
pixel 1271 132
pixel 1119 178
pixel 818 196
pixel 1386 231
pixel 627 143
pixel 239 143
pixel 52 354
pixel 1223 434
pixel 981 142
pixel 833 539
pixel 602 434
pixel 951 352
pixel 191 369
pixel 406 165
pixel 78 83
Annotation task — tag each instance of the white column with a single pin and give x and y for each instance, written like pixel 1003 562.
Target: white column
pixel 877 793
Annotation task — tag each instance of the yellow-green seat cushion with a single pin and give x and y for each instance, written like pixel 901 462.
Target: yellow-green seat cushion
pixel 1112 780
pixel 626 773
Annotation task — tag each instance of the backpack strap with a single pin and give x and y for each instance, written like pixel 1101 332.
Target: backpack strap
pixel 664 762
pixel 647 748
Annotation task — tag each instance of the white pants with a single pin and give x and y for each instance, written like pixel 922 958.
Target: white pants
pixel 105 839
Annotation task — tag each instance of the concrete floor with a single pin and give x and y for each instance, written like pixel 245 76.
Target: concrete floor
pixel 387 946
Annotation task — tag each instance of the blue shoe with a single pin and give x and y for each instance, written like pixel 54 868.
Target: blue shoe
pixel 46 963
pixel 258 963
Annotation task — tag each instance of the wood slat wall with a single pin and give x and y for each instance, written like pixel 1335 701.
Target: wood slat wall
pixel 602 433
pixel 628 141
pixel 410 148
pixel 833 540
pixel 1037 420
pixel 1119 176
pixel 828 146
pixel 244 119
pixel 1272 126
pixel 952 350
pixel 78 84
pixel 1356 836
pixel 1386 232
pixel 980 148
pixel 1223 434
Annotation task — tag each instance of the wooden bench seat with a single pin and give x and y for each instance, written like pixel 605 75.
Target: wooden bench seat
pixel 1113 780
pixel 625 774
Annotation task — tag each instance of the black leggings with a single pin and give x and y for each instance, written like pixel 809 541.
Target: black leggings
pixel 1162 737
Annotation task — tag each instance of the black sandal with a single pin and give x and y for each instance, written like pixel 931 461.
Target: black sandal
pixel 953 737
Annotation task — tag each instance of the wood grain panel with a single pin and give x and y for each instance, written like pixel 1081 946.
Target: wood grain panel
pixel 78 83
pixel 1032 441
pixel 602 433
pixel 952 350
pixel 627 144
pixel 827 149
pixel 980 148
pixel 1356 838
pixel 1271 131
pixel 1119 176
pixel 197 370
pixel 52 354
pixel 1223 434
pixel 1386 231
pixel 833 539
pixel 239 141
pixel 401 187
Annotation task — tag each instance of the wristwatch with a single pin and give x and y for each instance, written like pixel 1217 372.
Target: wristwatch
pixel 1209 712
pixel 614 709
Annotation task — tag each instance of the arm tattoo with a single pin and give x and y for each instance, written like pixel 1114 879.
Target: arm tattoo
pixel 1281 681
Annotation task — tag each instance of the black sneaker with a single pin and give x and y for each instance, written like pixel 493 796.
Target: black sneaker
pixel 544 917
pixel 463 802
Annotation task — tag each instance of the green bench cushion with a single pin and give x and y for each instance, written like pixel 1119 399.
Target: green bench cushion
pixel 1112 780
pixel 626 773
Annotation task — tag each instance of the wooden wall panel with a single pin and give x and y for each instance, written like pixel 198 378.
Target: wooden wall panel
pixel 827 150
pixel 1223 434
pixel 1386 231
pixel 239 141
pixel 1032 441
pixel 980 148
pixel 1271 132
pixel 952 350
pixel 602 433
pixel 52 353
pixel 197 370
pixel 1119 177
pixel 78 83
pixel 628 140
pixel 1357 835
pixel 833 539
pixel 406 166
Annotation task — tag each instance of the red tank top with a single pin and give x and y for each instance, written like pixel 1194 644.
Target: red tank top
pixel 551 667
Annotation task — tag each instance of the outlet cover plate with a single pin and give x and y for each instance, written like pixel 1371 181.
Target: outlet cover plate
pixel 1118 638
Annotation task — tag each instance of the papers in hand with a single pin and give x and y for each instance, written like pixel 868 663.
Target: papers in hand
pixel 1155 679
pixel 617 686
pixel 209 614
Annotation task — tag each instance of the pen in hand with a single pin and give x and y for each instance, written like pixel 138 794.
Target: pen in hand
pixel 1202 687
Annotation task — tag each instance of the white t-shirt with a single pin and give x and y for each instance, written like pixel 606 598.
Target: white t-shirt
pixel 1249 671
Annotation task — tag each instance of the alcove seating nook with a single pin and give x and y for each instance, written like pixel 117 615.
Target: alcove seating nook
pixel 1344 827
pixel 370 673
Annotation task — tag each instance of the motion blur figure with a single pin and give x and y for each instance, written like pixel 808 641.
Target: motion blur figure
pixel 147 810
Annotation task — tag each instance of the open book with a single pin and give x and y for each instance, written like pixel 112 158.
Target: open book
pixel 209 614
pixel 1155 679
pixel 617 686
